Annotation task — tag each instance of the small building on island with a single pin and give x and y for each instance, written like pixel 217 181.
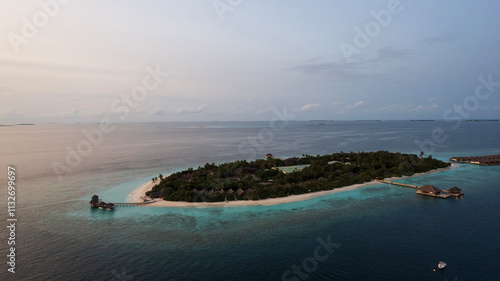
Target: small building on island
pixel 487 160
pixel 269 156
pixel 290 169
pixel 155 194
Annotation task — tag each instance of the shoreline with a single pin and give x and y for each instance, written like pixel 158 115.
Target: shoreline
pixel 135 195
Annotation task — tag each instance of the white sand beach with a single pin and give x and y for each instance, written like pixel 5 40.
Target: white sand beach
pixel 140 191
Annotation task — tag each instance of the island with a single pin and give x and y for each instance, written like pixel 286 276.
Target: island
pixel 275 178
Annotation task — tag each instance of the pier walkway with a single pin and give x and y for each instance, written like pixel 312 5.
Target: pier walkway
pixel 398 184
pixel 133 204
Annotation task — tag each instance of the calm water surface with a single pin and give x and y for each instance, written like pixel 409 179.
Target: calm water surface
pixel 380 232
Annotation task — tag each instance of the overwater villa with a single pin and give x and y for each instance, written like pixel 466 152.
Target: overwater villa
pixel 431 190
pixel 454 191
pixel 110 206
pixel 98 203
pixel 94 203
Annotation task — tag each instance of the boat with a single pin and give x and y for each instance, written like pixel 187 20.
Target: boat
pixel 441 265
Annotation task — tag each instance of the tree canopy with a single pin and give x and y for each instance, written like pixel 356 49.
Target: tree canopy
pixel 262 178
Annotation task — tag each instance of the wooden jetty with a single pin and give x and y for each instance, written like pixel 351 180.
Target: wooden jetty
pixel 134 204
pixel 398 184
pixel 429 190
pixel 98 203
pixel 488 160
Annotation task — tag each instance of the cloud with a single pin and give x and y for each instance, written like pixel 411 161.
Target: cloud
pixel 431 41
pixel 421 107
pixel 77 113
pixel 71 98
pixel 309 107
pixel 407 107
pixel 10 114
pixel 361 65
pixel 140 110
pixel 158 111
pixel 432 99
pixel 390 53
pixel 178 110
pixel 358 104
pixel 306 108
pixel 337 69
pixel 237 110
pixel 73 67
pixel 269 109
pixel 395 107
pixel 351 106
pixel 190 110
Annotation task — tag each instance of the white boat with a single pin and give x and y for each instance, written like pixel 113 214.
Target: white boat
pixel 441 265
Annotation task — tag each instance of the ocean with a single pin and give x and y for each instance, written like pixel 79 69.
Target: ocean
pixel 378 232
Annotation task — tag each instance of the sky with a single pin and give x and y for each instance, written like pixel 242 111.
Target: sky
pixel 224 60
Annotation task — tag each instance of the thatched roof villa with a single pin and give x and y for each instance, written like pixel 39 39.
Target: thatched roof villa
pixel 94 203
pixel 455 191
pixel 431 190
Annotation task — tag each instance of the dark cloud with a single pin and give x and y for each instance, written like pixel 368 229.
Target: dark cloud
pixel 336 69
pixel 390 53
pixel 359 67
pixel 431 41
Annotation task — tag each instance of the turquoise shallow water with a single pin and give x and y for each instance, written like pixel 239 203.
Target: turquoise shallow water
pixel 380 232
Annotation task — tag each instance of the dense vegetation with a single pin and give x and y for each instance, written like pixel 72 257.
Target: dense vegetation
pixel 259 179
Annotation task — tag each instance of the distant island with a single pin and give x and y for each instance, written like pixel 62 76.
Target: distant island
pixel 482 120
pixel 22 124
pixel 273 177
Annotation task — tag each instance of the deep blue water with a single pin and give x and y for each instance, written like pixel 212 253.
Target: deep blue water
pixel 380 232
